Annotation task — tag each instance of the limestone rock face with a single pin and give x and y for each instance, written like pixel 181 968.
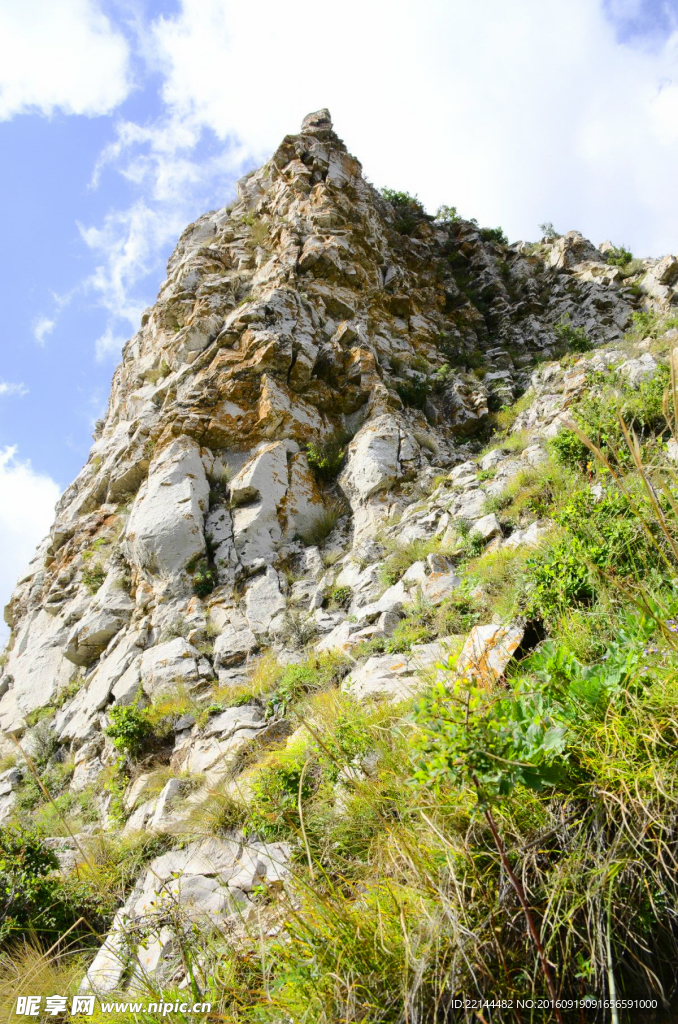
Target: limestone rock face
pixel 165 527
pixel 207 880
pixel 292 462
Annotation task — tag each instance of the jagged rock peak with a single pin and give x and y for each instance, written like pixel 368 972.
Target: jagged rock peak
pixel 318 121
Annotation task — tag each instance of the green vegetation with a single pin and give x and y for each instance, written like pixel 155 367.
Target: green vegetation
pixel 93 576
pixel 493 235
pixel 618 256
pixel 205 579
pixel 447 213
pixel 340 597
pixel 515 839
pixel 612 406
pixel 327 457
pixel 325 522
pixel 408 209
pixel 573 339
pixel 548 231
pixel 295 681
pixel 39 904
pixel 650 324
pixel 401 556
pixel 130 728
pixel 413 391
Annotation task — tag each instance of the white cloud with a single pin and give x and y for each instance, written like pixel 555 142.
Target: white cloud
pixel 128 243
pixel 12 389
pixel 176 180
pixel 61 55
pixel 108 346
pixel 41 328
pixel 27 502
pixel 514 114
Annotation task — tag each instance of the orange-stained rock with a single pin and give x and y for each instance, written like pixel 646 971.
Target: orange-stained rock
pixel 488 651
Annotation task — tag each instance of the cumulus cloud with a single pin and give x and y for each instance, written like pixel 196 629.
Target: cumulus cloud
pixel 60 56
pixel 12 389
pixel 109 345
pixel 41 328
pixel 27 502
pixel 514 116
pixel 176 175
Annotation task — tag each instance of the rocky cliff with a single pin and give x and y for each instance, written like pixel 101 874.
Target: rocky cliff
pixel 317 386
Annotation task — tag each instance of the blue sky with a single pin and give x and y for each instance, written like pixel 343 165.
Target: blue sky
pixel 122 120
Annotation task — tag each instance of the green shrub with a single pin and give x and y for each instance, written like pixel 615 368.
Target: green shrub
pixel 568 450
pixel 327 457
pixel 414 391
pixel 341 597
pixel 548 231
pixel 275 788
pixel 650 324
pixel 408 632
pixel 559 579
pixel 574 338
pixel 205 579
pixel 493 235
pixel 598 416
pixel 467 735
pixel 312 675
pixel 93 577
pixel 618 256
pixel 130 728
pixel 34 901
pixel 447 213
pixel 409 211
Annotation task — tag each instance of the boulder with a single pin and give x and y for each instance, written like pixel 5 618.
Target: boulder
pixel 486 528
pixel 36 666
pixel 264 601
pixel 247 717
pixel 531 536
pixel 302 507
pixel 638 370
pixel 165 528
pixel 235 643
pixel 110 610
pixel 469 505
pixel 75 720
pixel 488 650
pixel 570 249
pixel 211 753
pixel 372 463
pixel 397 676
pixel 395 597
pixel 219 529
pixel 439 586
pixel 9 780
pixel 162 668
pixel 162 817
pixel 492 459
pixel 256 492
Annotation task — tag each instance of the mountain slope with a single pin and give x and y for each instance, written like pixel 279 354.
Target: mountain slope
pixel 337 453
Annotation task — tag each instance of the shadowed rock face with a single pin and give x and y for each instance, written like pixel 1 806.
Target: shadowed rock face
pixel 318 360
